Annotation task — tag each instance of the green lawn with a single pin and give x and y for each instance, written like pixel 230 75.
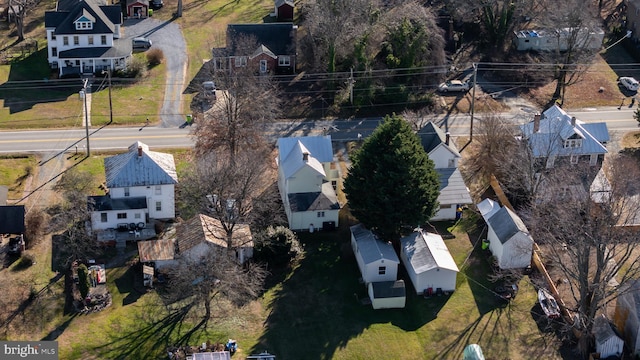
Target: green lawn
pixel 14 175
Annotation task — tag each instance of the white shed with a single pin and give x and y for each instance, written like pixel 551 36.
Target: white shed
pixel 627 317
pixel 608 343
pixel 428 262
pixel 376 259
pixel 387 294
pixel 509 239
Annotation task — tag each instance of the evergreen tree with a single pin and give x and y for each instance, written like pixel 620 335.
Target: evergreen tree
pixel 392 186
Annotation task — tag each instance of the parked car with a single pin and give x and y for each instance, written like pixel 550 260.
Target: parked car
pixel 156 4
pixel 629 83
pixel 454 86
pixel 141 43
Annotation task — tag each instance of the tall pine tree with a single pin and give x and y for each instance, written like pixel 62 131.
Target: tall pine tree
pixel 392 186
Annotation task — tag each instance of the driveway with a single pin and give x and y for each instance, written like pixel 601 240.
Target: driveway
pixel 168 37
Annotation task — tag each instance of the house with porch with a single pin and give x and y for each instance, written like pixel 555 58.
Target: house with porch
pixel 445 156
pixel 308 178
pixel 557 137
pixel 140 186
pixel 84 37
pixel 268 48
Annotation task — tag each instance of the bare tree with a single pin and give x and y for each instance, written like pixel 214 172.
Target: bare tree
pixel 199 281
pixel 19 10
pixel 240 114
pixel 588 236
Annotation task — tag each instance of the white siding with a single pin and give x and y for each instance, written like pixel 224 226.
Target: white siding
pixel 302 220
pixel 386 303
pixel 305 180
pixel 112 218
pixel 442 157
pixel 445 214
pixel 516 252
pixel 166 197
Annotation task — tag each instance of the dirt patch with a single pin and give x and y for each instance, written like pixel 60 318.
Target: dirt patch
pixel 630 140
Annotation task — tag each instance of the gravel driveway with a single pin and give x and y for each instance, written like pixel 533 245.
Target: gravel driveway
pixel 168 37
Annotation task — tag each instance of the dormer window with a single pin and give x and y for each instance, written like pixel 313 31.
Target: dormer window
pixel 85 21
pixel 572 143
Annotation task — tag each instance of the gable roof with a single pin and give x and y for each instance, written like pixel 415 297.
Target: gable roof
pixel 603 331
pixel 426 251
pixel 319 146
pixel 488 208
pixel 555 127
pixel 505 223
pixel 431 136
pixel 294 160
pixel 12 219
pixel 314 201
pixel 277 37
pixel 263 50
pixel 106 17
pixel 156 250
pixel 202 228
pixel 130 169
pixel 453 190
pixel 282 2
pixel 370 247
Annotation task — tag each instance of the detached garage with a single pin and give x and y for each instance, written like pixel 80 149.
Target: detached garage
pixel 428 262
pixel 387 294
pixel 376 259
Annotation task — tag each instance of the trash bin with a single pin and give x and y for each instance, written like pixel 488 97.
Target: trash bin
pixel 189 119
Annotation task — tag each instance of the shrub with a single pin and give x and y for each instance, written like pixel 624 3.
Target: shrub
pixel 35 225
pixel 155 57
pixel 83 280
pixel 277 246
pixel 137 68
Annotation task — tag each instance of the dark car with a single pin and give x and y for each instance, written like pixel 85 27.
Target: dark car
pixel 506 292
pixel 15 245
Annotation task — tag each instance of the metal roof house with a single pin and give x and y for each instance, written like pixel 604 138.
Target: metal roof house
pixel 84 37
pixel 307 179
pixel 140 187
pixel 554 136
pixel 509 239
pixel 377 260
pixel 551 40
pixel 428 262
pixel 445 156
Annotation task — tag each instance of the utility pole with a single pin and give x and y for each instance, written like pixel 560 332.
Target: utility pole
pixel 351 82
pixel 473 100
pixel 86 115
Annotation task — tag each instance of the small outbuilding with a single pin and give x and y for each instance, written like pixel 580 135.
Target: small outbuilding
pixel 627 315
pixel 509 239
pixel 428 261
pixel 608 343
pixel 376 259
pixel 387 294
pixel 159 252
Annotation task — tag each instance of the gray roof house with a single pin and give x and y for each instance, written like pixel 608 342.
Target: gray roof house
pixel 445 156
pixel 84 37
pixel 554 136
pixel 509 238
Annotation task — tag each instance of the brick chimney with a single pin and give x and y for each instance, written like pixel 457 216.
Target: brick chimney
pixel 536 123
pixel 447 138
pixel 139 151
pixel 305 156
pixel 573 121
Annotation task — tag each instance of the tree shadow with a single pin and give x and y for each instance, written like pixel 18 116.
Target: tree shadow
pixel 55 333
pixel 320 303
pixel 125 285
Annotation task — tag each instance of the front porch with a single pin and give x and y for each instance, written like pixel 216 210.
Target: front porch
pixel 119 237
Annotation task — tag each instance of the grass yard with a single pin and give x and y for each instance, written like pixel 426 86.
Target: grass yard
pixel 16 173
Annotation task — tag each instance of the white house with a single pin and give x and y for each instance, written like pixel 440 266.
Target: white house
pixel 555 136
pixel 608 343
pixel 551 40
pixel 445 156
pixel 201 231
pixel 377 260
pixel 140 187
pixel 387 294
pixel 308 178
pixel 84 37
pixel 428 262
pixel 509 239
pixel 627 315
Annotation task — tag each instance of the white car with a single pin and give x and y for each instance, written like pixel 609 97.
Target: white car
pixel 453 86
pixel 629 83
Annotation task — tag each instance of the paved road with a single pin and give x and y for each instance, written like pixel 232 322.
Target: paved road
pixel 168 37
pixel 118 138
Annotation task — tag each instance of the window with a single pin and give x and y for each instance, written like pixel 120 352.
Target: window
pixel 137 215
pixel 65 40
pixel 158 206
pixel 53 37
pixel 76 40
pixel 54 51
pixel 122 215
pixel 284 60
pixel 103 217
pixel 382 270
pixel 593 159
pixel 334 185
pixel 572 143
pixel 90 40
pixel 320 213
pixel 127 192
pixel 158 190
pixel 263 66
pixel 452 163
pixel 103 39
pixel 574 159
pixel 241 61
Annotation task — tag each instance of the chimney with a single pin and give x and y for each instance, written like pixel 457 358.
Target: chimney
pixel 305 156
pixel 139 151
pixel 448 136
pixel 536 123
pixel 573 121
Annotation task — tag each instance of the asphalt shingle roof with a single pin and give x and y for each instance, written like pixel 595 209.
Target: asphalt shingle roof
pixel 370 247
pixel 426 251
pixel 315 201
pixel 453 190
pixel 201 228
pixel 278 37
pixel 506 223
pixel 388 289
pixel 431 136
